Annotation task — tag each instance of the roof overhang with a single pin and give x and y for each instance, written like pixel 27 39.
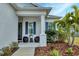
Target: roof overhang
pixel 53 17
pixel 46 9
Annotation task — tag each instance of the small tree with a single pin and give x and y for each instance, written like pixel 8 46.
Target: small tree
pixel 69 24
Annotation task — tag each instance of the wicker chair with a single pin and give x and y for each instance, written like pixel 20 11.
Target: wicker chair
pixel 37 39
pixel 25 39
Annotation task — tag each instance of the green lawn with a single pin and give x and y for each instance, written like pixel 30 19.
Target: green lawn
pixel 76 42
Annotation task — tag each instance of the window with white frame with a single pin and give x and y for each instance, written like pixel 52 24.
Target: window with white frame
pixel 50 26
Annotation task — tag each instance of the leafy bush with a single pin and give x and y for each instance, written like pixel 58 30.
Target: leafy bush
pixel 14 46
pixel 61 35
pixel 54 52
pixel 69 51
pixel 7 51
pixel 51 35
pixel 55 35
pixel 1 52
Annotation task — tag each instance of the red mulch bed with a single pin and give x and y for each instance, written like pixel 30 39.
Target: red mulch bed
pixel 61 46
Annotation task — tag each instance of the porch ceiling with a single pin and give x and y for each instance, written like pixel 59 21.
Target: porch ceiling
pixel 18 8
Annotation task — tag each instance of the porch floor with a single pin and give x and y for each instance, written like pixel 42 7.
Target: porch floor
pixel 29 44
pixel 24 51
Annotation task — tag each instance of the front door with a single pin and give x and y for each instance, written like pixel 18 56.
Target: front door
pixel 31 30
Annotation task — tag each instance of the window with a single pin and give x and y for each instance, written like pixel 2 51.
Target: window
pixel 50 26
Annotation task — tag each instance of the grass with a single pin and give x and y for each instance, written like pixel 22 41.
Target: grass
pixel 76 42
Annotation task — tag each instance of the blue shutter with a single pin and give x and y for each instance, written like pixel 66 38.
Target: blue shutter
pixel 46 26
pixel 34 25
pixel 26 27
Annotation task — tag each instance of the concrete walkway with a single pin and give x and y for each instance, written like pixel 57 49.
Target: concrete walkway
pixel 24 51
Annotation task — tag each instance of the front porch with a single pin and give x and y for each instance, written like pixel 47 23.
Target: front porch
pixel 31 31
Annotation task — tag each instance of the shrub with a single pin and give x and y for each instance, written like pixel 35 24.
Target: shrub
pixel 56 35
pixel 14 46
pixel 61 35
pixel 54 52
pixel 51 35
pixel 69 51
pixel 1 52
pixel 7 51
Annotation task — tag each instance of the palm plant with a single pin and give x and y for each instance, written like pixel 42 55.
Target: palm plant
pixel 60 29
pixel 75 23
pixel 69 24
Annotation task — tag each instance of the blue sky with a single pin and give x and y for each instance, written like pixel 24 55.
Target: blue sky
pixel 59 9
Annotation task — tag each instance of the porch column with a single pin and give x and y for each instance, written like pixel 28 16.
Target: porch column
pixel 42 24
pixel 42 35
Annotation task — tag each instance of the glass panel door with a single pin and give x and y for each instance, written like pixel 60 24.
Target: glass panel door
pixel 31 28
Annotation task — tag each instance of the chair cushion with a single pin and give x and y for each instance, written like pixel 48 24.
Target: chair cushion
pixel 37 39
pixel 25 39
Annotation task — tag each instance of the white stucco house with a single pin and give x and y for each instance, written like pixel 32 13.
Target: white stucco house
pixel 24 23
